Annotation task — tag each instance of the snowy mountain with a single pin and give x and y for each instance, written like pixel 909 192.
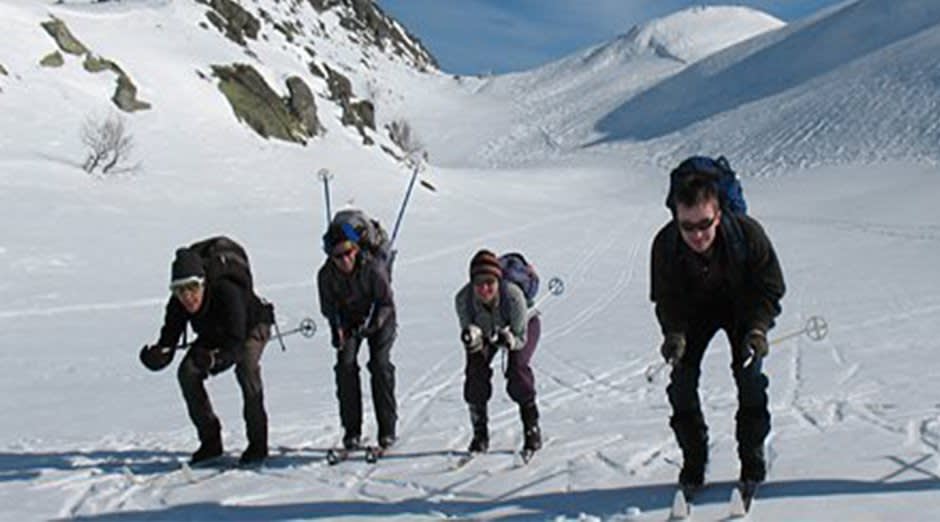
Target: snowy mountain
pixel 551 109
pixel 294 71
pixel 827 89
pixel 555 163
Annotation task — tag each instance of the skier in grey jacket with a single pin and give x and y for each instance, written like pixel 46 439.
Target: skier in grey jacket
pixel 493 315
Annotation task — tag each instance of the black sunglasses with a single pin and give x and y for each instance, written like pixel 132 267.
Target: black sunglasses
pixel 698 226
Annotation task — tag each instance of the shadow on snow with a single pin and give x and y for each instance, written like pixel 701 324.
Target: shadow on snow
pixel 547 505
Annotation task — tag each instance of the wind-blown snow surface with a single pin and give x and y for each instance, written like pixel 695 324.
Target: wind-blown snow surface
pixel 90 433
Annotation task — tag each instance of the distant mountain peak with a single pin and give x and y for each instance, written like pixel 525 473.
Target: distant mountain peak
pixel 694 33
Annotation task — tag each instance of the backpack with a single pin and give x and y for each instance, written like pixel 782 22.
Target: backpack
pixel 520 272
pixel 730 196
pixel 224 258
pixel 370 235
pixel 730 193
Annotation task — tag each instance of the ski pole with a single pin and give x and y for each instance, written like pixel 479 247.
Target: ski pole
pixel 325 176
pixel 404 202
pixel 815 328
pixel 307 328
pixel 556 286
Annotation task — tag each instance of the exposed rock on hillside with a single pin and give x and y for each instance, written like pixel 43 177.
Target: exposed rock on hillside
pixel 232 20
pixel 125 92
pixel 271 116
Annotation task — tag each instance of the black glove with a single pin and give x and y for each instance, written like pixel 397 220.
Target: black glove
pixel 506 339
pixel 155 357
pixel 755 342
pixel 673 347
pixel 472 338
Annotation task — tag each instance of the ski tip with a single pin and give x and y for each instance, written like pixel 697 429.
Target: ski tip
pixel 736 507
pixel 680 508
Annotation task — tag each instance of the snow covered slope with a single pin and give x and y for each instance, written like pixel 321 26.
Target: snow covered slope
pixel 542 113
pixel 857 84
pixel 168 48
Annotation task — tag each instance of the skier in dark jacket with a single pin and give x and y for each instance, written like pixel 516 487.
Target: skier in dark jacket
pixel 715 270
pixel 356 299
pixel 233 326
pixel 493 315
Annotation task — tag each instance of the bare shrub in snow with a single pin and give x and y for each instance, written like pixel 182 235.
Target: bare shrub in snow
pixel 109 144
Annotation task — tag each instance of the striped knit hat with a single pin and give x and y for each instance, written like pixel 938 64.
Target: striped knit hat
pixel 483 263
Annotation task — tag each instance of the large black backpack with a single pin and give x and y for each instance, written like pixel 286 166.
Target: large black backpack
pixel 223 258
pixel 730 198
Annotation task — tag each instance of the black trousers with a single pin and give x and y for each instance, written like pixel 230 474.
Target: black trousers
pixel 752 417
pixel 248 372
pixel 382 371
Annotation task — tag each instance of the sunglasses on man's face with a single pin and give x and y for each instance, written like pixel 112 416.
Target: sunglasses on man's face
pixel 698 226
pixel 187 288
pixel 344 253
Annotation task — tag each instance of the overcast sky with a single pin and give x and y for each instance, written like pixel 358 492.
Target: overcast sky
pixel 497 36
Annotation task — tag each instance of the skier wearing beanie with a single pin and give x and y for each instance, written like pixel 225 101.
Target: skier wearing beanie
pixel 233 326
pixel 493 315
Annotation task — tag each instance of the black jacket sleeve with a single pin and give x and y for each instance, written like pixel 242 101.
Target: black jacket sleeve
pixel 174 323
pixel 665 288
pixel 761 299
pixel 327 298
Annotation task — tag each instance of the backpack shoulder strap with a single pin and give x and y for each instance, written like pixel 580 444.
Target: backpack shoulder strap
pixel 734 234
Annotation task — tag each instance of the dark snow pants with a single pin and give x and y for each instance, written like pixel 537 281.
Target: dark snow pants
pixel 753 416
pixel 382 372
pixel 520 382
pixel 248 372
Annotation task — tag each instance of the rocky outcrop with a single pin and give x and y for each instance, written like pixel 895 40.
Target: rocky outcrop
pixel 303 105
pixel 339 86
pixel 125 96
pixel 232 20
pixel 125 92
pixel 370 23
pixel 63 37
pixel 53 59
pixel 356 113
pixel 255 103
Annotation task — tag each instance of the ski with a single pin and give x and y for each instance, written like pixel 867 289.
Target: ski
pixel 464 458
pixel 336 455
pixel 681 510
pixel 682 502
pixel 742 497
pixel 371 454
pixel 374 453
pixel 526 455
